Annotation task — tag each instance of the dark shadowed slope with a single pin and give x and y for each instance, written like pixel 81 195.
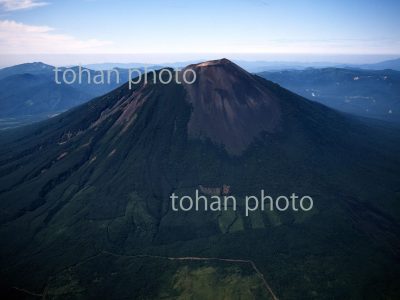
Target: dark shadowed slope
pixel 85 209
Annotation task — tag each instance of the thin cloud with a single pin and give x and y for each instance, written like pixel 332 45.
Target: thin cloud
pixel 20 38
pixel 12 5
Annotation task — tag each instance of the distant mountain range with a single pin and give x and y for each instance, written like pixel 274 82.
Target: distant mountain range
pixel 367 93
pixel 36 68
pixel 85 196
pixel 37 96
pixel 257 66
pixel 260 66
pixel 109 66
pixel 393 64
pixel 28 92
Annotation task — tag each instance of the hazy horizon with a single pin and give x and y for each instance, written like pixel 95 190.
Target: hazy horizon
pixel 7 60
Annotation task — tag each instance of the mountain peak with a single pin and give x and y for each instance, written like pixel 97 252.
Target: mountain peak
pixel 217 62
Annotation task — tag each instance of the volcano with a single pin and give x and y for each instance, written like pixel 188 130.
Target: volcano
pixel 85 210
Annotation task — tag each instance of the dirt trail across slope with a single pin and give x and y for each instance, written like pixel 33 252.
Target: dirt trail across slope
pixel 183 258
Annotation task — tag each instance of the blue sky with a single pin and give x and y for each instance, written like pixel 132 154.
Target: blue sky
pixel 174 28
